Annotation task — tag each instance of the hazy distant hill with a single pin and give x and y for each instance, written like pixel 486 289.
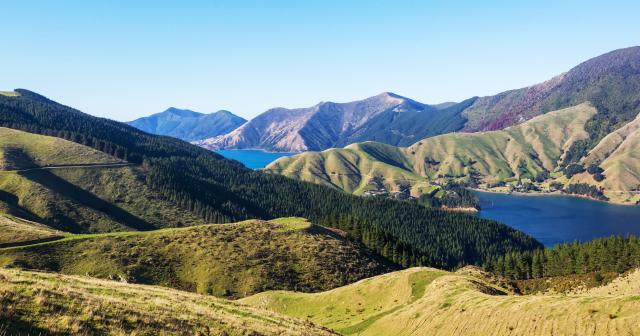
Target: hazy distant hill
pixel 387 118
pixel 188 125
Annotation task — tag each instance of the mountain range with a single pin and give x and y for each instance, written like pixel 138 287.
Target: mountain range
pixel 575 133
pixel 188 125
pixel 387 117
pixel 609 82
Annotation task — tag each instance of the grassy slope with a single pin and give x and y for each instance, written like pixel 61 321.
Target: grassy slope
pixel 20 150
pixel 52 304
pixel 222 259
pixel 423 301
pixel 618 155
pixel 81 200
pixel 15 230
pixel 535 146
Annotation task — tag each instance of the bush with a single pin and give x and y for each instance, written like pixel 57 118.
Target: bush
pixel 542 176
pixel 594 169
pixel 573 169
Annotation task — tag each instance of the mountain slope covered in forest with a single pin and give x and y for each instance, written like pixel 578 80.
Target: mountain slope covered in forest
pixel 170 183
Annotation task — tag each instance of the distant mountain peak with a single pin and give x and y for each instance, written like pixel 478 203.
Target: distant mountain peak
pixel 188 125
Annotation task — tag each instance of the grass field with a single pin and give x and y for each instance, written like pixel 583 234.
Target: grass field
pixel 229 260
pixel 424 301
pixel 15 230
pixel 21 150
pixel 53 304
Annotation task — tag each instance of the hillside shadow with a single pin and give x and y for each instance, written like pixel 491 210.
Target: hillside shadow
pixel 14 207
pixel 85 198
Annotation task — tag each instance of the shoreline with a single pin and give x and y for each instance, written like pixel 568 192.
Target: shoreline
pixel 553 193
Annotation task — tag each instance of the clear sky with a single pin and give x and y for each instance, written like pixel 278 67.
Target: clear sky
pixel 126 59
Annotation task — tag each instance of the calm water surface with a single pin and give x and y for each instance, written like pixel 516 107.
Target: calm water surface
pixel 551 219
pixel 554 219
pixel 252 158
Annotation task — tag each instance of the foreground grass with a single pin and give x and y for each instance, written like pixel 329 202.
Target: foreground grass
pixel 52 304
pixel 424 301
pixel 229 260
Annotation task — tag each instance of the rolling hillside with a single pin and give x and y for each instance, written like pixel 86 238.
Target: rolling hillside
pixel 76 188
pixel 516 152
pixel 19 231
pixel 231 260
pixel 170 183
pixel 424 301
pixel 53 304
pixel 188 125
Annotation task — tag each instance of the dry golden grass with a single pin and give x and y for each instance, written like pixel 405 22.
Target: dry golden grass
pixel 16 230
pixel 230 260
pixel 20 150
pixel 41 303
pixel 467 302
pixel 520 151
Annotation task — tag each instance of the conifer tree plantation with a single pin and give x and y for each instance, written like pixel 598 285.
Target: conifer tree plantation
pixel 613 254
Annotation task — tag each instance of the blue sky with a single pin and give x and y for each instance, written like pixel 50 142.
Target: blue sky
pixel 126 59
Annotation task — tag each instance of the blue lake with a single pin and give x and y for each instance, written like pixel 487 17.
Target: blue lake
pixel 554 219
pixel 252 158
pixel 551 219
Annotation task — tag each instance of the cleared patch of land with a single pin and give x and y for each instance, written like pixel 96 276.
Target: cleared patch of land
pixel 22 150
pixel 231 260
pixel 424 301
pixel 39 303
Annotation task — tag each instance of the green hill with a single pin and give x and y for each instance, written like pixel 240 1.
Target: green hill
pixel 525 157
pixel 19 231
pixel 424 301
pixel 53 304
pixel 75 188
pixel 231 260
pixel 170 183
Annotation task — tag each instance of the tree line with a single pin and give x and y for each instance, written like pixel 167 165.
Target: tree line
pixel 612 254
